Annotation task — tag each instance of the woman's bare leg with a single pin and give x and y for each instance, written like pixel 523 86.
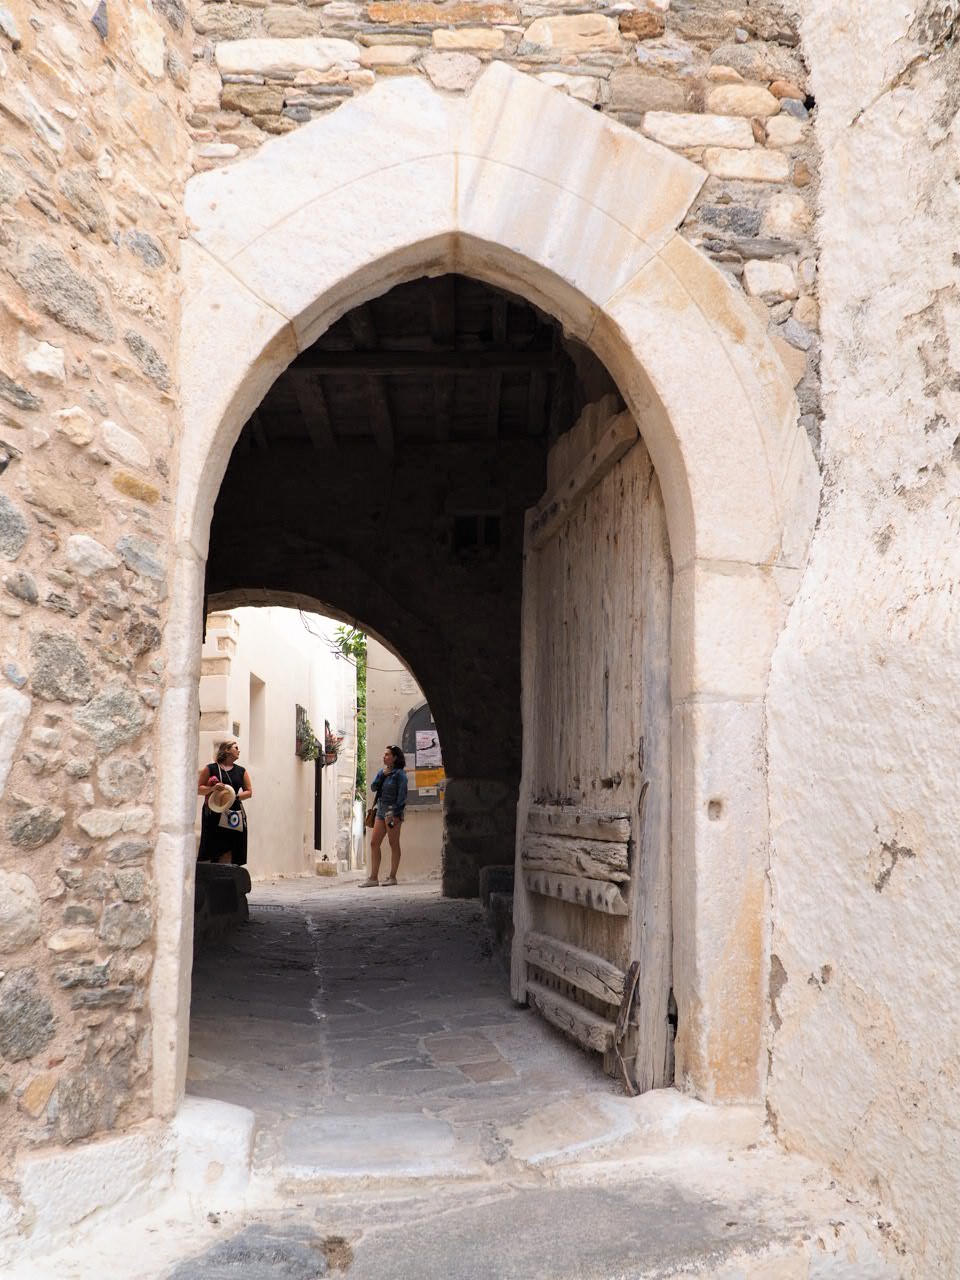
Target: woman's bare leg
pixel 376 840
pixel 393 835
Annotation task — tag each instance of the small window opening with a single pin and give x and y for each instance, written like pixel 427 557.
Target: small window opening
pixel 476 534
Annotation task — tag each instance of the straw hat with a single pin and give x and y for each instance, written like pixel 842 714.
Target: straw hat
pixel 221 797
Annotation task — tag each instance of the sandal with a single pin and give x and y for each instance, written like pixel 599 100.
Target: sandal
pixel 370 883
pixel 390 880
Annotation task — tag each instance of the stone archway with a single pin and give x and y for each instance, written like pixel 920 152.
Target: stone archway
pixel 519 187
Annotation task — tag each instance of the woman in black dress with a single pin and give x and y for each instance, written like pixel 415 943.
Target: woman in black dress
pixel 220 842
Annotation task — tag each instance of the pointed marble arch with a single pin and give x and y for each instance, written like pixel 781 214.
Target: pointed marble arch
pixel 520 187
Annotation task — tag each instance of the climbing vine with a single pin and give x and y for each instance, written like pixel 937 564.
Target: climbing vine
pixel 353 645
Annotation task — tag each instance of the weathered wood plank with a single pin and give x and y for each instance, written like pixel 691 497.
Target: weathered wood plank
pixel 582 968
pixel 587 1028
pixel 595 895
pixel 565 820
pixel 573 856
pixel 551 513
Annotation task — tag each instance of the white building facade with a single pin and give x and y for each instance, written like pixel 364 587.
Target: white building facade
pixel 263 670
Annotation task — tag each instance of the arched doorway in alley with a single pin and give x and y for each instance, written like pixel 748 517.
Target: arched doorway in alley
pixel 587 234
pixel 389 471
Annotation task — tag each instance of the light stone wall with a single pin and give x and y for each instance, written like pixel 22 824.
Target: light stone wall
pixel 863 707
pixel 293 657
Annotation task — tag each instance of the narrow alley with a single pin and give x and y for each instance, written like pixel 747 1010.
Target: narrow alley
pixel 411 1121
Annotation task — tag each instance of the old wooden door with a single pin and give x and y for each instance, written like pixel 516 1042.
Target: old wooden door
pixel 592 907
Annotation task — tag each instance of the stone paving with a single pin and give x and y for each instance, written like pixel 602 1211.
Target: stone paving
pixel 373 1035
pixel 412 1122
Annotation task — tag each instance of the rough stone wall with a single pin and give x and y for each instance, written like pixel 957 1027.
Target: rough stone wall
pixel 863 705
pixel 101 118
pixel 92 152
pixel 723 84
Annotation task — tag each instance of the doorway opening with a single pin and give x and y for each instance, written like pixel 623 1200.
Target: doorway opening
pixel 447 464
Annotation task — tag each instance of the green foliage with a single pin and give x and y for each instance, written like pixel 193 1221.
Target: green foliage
pixel 353 645
pixel 308 745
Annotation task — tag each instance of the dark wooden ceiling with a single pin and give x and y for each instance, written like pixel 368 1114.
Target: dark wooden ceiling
pixel 445 359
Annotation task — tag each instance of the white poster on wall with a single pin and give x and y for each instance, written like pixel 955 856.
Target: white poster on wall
pixel 428 749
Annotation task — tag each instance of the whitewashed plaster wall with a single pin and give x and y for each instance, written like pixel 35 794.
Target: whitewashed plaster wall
pixel 864 702
pixel 392 693
pixel 296 665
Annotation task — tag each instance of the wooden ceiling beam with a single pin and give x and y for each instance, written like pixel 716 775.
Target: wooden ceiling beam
pixel 314 411
pixel 381 420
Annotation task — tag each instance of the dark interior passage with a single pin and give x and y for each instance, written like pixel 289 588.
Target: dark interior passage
pixel 387 474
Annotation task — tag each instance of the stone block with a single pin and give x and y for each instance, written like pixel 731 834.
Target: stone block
pixel 73 938
pixel 14 713
pixel 746 166
pixel 27 1023
pixel 19 911
pixel 787 216
pixel 13 529
pixel 785 131
pixel 62 1189
pixel 574 33
pixel 58 290
pixel 289 22
pixel 42 360
pixel 769 279
pixel 271 57
pixel 35 827
pixel 786 89
pixel 637 91
pixel 36 1094
pixel 83 1103
pixel 642 24
pixel 125 925
pixel 487 39
pixel 414 13
pixel 389 55
pixel 88 557
pixel 224 20
pixel 204 87
pixel 719 780
pixel 690 130
pixel 211 1144
pixel 122 779
pixel 123 445
pixel 742 100
pixel 75 425
pixel 112 718
pixel 454 72
pixel 727 619
pixel 252 99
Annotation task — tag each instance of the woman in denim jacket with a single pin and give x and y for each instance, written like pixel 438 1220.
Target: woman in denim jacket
pixel 390 784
